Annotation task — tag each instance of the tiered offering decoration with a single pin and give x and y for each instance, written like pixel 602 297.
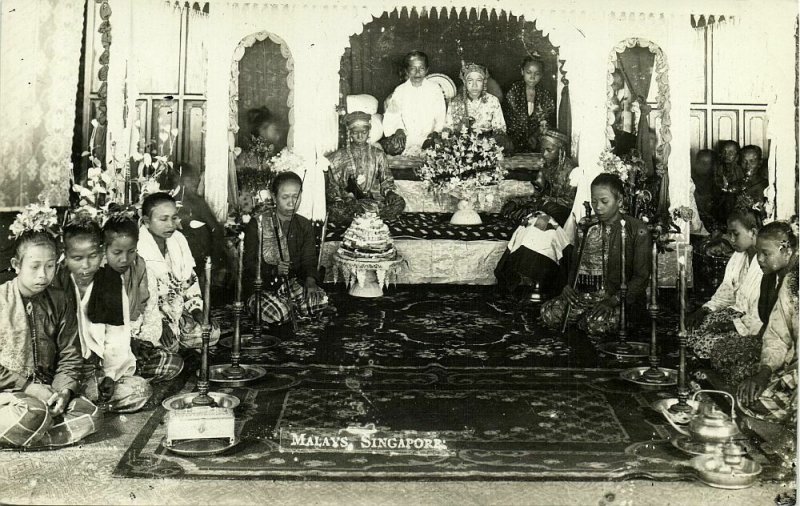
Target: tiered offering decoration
pixel 367 257
pixel 367 239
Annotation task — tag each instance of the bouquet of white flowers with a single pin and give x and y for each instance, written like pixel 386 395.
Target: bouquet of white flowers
pixel 460 163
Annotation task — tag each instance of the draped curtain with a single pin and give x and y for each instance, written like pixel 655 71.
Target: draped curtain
pixel 636 65
pixel 565 112
pixel 40 49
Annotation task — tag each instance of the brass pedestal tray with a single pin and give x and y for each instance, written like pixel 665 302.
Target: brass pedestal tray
pixel 661 376
pixel 728 469
pixel 250 344
pixel 228 376
pixel 186 401
pixel 680 418
pixel 625 350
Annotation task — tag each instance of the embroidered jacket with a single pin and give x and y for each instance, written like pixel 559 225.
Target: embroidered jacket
pixel 55 345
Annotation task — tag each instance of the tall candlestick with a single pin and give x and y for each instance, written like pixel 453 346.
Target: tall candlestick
pixel 623 345
pixel 654 270
pixel 623 274
pixel 260 239
pixel 207 293
pixel 256 340
pixel 203 399
pixel 240 268
pixel 682 406
pixel 654 374
pixel 682 283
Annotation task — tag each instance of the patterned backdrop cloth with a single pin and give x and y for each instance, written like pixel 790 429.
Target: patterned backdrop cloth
pixel 437 226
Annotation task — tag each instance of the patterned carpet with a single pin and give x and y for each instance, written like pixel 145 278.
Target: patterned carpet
pixel 421 325
pixel 538 424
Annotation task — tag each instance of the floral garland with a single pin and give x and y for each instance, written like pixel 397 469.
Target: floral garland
pixel 629 170
pixel 462 163
pixel 258 179
pixel 34 217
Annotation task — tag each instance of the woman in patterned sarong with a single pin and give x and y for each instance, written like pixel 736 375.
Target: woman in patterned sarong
pixel 594 303
pixel 40 357
pixel 731 317
pixel 288 260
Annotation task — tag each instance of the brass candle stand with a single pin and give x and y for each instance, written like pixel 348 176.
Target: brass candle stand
pixel 202 422
pixel 682 406
pixel 623 349
pixel 236 374
pixel 653 375
pixel 258 341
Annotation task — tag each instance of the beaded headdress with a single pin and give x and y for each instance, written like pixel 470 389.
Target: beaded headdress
pixel 558 137
pixel 468 68
pixel 357 119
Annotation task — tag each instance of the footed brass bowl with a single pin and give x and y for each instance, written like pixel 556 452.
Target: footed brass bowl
pixel 184 401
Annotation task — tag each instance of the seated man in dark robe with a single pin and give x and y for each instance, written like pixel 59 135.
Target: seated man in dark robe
pixel 359 175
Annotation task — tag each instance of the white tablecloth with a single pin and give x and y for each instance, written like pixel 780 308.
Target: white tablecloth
pixel 437 261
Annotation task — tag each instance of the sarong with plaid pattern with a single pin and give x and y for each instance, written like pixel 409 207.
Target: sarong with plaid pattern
pixel 778 402
pixel 275 306
pixel 552 314
pixel 25 421
pixel 131 393
pixel 154 363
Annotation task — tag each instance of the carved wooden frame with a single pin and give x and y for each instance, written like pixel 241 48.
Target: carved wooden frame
pixel 233 102
pixel 661 70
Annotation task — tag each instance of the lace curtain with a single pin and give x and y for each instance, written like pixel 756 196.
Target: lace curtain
pixel 40 49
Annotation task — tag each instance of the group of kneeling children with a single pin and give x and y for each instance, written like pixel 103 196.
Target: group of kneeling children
pixel 96 325
pixel 112 310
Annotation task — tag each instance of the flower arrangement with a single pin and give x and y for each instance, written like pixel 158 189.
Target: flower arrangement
pixel 629 169
pixel 156 171
pixel 462 162
pixel 262 150
pixel 35 217
pixel 683 213
pixel 288 160
pixel 100 186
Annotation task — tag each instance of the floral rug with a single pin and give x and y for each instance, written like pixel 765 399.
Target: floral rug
pixel 420 325
pixel 432 423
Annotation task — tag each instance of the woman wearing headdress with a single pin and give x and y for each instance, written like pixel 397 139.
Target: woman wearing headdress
pixel 529 108
pixel 359 174
pixel 554 188
pixel 475 108
pixel 537 247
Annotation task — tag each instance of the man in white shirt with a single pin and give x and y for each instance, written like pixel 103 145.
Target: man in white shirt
pixel 416 108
